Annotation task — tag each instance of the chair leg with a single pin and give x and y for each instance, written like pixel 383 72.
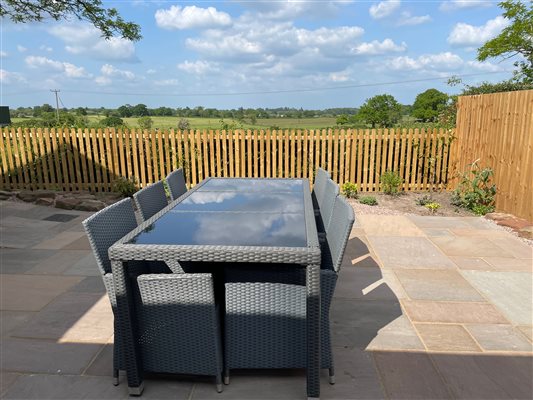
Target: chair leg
pixel 219 383
pixel 332 376
pixel 226 376
pixel 115 376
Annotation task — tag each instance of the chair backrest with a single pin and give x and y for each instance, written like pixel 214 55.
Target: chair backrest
pixel 319 187
pixel 176 183
pixel 108 226
pixel 151 199
pixel 338 232
pixel 328 201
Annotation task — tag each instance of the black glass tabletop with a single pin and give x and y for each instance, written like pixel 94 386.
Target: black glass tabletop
pixel 252 185
pixel 226 229
pixel 287 202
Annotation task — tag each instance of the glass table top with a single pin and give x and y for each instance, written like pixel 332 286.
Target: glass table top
pixel 234 212
pixel 252 185
pixel 226 229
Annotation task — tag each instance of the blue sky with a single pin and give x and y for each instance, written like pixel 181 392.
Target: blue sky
pixel 228 54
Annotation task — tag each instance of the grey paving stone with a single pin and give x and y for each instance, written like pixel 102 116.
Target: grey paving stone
pixel 499 338
pixel 65 387
pixel 510 264
pixel 397 335
pixel 363 283
pixel 73 316
pixel 81 244
pixel 440 285
pixel 355 323
pixel 17 232
pixel 510 292
pixel 102 364
pixel 436 232
pixel 60 261
pixel 6 380
pixel 410 376
pixel 15 290
pixel 446 337
pixel 355 249
pixel 39 356
pixel 481 223
pixel 86 267
pixel 19 261
pixel 471 263
pixel 59 241
pixel 514 246
pixel 90 284
pixel 439 222
pixel 10 320
pixel 486 377
pixel 409 252
pixel 470 247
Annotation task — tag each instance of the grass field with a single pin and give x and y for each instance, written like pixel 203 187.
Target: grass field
pixel 215 123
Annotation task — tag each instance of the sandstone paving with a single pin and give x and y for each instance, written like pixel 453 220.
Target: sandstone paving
pixel 509 264
pixel 453 312
pixel 446 337
pixel 389 225
pixel 500 338
pixel 470 246
pixel 472 263
pixel 439 222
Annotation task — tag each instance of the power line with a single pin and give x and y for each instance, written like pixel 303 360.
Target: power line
pixel 56 91
pixel 303 90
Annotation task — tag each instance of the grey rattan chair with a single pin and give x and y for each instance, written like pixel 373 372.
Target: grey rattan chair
pixel 176 183
pixel 103 229
pixel 326 204
pixel 178 325
pixel 265 322
pixel 319 186
pixel 151 199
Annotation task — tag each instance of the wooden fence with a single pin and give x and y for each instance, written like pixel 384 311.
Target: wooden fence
pixel 92 159
pixel 497 130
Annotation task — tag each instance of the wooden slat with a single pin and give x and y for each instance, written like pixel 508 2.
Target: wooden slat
pixel 218 155
pixel 268 158
pixel 155 156
pixel 305 154
pixel 360 149
pixel 23 159
pixel 274 154
pixel 122 153
pixel 298 145
pixel 212 152
pixel 280 172
pixel 243 153
pixel 225 153
pixel 371 169
pixel 16 154
pixel 432 174
pixel 366 155
pixel 175 156
pixel 10 134
pixel 161 155
pixel 261 153
pixel 237 146
pixel 379 140
pixel 143 158
pixel 391 142
pixel 231 154
pixel 292 157
pixel 134 156
pixel 188 161
pixel 90 160
pixel 352 140
pixel 414 159
pixel 77 160
pixel 312 162
pixel 205 153
pixel 115 172
pixel 84 160
pixel 3 154
pixel 407 137
pixel 404 161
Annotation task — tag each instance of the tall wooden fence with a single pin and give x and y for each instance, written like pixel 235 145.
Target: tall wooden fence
pixel 93 159
pixel 497 130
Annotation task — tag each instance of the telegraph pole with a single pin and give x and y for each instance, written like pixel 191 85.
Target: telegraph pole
pixel 56 91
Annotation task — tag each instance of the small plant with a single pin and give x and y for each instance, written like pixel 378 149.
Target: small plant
pixel 424 200
pixel 368 200
pixel 125 186
pixel 184 124
pixel 350 190
pixel 391 182
pixel 145 122
pixel 475 191
pixel 433 207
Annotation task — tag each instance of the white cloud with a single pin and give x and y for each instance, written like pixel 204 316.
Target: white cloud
pixel 289 10
pixel 452 5
pixel 167 82
pixel 440 61
pixel 85 39
pixel 197 67
pixel 151 71
pixel 70 70
pixel 384 9
pixel 45 48
pixel 377 47
pixel 103 80
pixel 339 76
pixel 111 71
pixel 3 54
pixel 468 35
pixel 191 17
pixel 485 66
pixel 21 49
pixel 7 78
pixel 406 19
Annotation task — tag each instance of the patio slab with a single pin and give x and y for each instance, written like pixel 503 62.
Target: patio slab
pixel 439 222
pixel 397 335
pixel 470 246
pixel 408 252
pixel 19 261
pixel 446 337
pixel 453 312
pixel 389 225
pixel 60 261
pixel 499 338
pixel 471 263
pixel 509 264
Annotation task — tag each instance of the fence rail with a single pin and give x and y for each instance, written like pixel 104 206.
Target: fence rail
pixel 92 159
pixel 497 130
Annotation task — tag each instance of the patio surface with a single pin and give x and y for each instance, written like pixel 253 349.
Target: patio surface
pixel 425 307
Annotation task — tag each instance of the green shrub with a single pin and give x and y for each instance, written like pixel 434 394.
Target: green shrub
pixel 475 191
pixel 433 207
pixel 368 200
pixel 145 122
pixel 424 200
pixel 112 121
pixel 125 186
pixel 391 182
pixel 350 190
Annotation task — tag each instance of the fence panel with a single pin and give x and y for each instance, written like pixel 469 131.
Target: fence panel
pixel 497 130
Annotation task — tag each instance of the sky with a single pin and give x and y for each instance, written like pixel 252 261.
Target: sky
pixel 230 54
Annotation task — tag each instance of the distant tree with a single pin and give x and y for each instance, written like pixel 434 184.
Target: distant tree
pixel 145 122
pixel 140 110
pixel 81 111
pixel 108 21
pixel 112 121
pixel 124 111
pixel 380 111
pixel 514 40
pixel 47 108
pixel 429 104
pixel 346 120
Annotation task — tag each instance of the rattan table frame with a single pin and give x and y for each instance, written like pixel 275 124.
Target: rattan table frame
pixel 309 256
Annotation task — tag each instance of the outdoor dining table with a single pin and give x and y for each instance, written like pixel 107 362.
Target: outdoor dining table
pixel 226 220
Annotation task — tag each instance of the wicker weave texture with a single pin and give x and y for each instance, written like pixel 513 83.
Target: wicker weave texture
pixel 326 204
pixel 338 232
pixel 176 183
pixel 151 199
pixel 319 186
pixel 179 330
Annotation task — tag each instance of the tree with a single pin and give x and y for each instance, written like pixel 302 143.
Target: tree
pixel 124 111
pixel 145 122
pixel 380 111
pixel 112 121
pixel 140 110
pixel 429 104
pixel 108 21
pixel 514 40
